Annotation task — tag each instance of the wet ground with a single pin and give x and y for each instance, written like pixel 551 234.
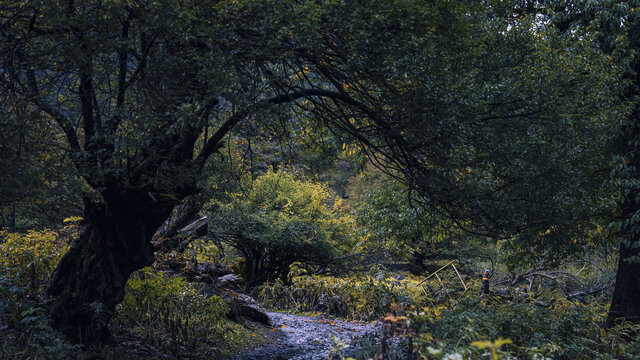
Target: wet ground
pixel 308 338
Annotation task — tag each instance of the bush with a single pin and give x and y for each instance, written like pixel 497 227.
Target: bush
pixel 25 330
pixel 355 297
pixel 29 259
pixel 281 220
pixel 562 331
pixel 169 312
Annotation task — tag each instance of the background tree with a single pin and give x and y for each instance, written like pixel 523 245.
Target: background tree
pixel 132 87
pixel 498 122
pixel 279 221
pixel 37 187
pixel 615 28
pixel 393 223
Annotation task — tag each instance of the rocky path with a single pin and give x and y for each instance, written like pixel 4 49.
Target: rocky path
pixel 307 338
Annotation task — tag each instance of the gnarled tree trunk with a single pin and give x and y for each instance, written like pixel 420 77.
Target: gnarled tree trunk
pixel 90 279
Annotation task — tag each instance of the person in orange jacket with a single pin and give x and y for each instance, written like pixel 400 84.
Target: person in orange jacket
pixel 484 290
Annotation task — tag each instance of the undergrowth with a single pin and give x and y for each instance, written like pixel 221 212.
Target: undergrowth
pixel 477 328
pixel 537 326
pixel 162 315
pixel 26 263
pixel 25 329
pixel 167 313
pixel 165 316
pixel 563 330
pixel 355 297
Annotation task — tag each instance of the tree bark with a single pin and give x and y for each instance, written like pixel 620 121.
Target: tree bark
pixel 626 296
pixel 90 279
pixel 186 213
pixel 13 217
pixel 625 303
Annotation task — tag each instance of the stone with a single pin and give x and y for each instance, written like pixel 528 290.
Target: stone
pixel 242 306
pixel 229 281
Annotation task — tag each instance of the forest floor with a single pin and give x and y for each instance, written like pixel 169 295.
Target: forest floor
pixel 310 338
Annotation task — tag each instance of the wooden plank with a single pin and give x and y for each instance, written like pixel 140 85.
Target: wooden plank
pixel 438 277
pixel 444 288
pixel 459 277
pixel 435 272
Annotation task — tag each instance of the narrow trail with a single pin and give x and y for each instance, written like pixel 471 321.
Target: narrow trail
pixel 307 338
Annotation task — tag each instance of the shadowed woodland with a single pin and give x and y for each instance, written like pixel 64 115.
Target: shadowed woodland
pixel 461 178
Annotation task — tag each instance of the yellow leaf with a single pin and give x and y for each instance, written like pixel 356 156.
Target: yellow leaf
pixel 481 344
pixel 502 341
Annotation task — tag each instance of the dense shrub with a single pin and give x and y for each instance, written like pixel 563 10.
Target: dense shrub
pixel 564 330
pixel 25 329
pixel 170 313
pixel 29 259
pixel 355 297
pixel 279 221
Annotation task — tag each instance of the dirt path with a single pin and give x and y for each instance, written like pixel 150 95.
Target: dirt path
pixel 307 338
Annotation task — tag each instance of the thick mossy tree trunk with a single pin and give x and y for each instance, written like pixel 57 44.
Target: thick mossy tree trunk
pixel 90 279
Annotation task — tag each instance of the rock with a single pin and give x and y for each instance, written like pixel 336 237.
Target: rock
pixel 203 272
pixel 208 291
pixel 229 281
pixel 242 306
pixel 199 227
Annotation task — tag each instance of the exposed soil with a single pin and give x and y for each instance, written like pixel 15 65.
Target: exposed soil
pixel 308 338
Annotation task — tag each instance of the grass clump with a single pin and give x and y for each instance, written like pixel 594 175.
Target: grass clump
pixel 360 297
